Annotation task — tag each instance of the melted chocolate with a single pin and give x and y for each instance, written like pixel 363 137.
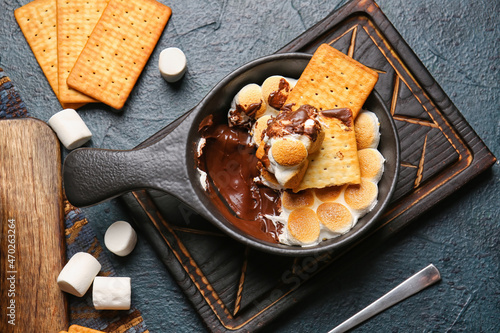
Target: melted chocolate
pixel 244 116
pixel 229 159
pixel 292 122
pixel 251 110
pixel 343 114
pixel 277 98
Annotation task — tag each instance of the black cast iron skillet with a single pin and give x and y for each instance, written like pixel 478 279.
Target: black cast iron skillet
pixel 94 175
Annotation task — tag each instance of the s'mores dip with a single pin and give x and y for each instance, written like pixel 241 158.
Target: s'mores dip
pixel 297 160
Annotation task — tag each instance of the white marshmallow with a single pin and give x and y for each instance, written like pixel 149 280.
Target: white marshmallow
pixel 70 128
pixel 111 293
pixel 120 238
pixel 172 64
pixel 78 274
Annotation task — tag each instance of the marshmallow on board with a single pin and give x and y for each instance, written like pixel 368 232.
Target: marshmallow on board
pixel 78 274
pixel 111 293
pixel 172 64
pixel 70 128
pixel 120 238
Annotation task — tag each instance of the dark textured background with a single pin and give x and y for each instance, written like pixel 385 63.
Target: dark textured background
pixel 457 40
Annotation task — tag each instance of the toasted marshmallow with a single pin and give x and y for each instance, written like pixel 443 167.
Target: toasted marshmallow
pixel 258 128
pixel 361 198
pixel 288 176
pixel 247 106
pixel 303 226
pixel 371 164
pixel 288 152
pixel 287 141
pixel 329 193
pixel 366 127
pixel 302 199
pixel 335 217
pixel 275 90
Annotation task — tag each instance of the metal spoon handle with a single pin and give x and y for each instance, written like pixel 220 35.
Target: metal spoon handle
pixel 409 287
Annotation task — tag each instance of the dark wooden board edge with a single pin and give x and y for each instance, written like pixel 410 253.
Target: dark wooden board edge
pixel 482 159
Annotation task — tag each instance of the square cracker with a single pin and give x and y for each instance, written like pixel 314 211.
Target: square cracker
pixel 333 80
pixel 38 24
pixel 81 329
pixel 75 21
pixel 118 50
pixel 336 162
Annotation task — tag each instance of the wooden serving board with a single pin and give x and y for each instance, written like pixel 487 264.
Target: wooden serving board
pixel 32 228
pixel 235 288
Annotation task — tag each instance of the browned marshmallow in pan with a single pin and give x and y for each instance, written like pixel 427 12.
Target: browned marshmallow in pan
pixel 335 217
pixel 247 106
pixel 361 197
pixel 258 128
pixel 303 226
pixel 289 152
pixel 329 193
pixel 371 164
pixel 302 199
pixel 289 138
pixel 367 131
pixel 118 49
pixel 275 90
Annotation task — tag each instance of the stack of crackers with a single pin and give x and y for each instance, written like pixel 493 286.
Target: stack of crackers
pixel 92 50
pixel 333 80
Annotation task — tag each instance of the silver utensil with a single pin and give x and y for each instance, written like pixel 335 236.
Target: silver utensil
pixel 417 282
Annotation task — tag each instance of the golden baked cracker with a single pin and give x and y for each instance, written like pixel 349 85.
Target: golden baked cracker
pixel 82 329
pixel 297 177
pixel 333 80
pixel 336 163
pixel 38 23
pixel 118 49
pixel 75 21
pixel 72 105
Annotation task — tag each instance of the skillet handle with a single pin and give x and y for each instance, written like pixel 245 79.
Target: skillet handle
pixel 93 175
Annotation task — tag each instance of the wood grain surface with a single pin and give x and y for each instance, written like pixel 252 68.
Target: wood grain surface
pixel 31 220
